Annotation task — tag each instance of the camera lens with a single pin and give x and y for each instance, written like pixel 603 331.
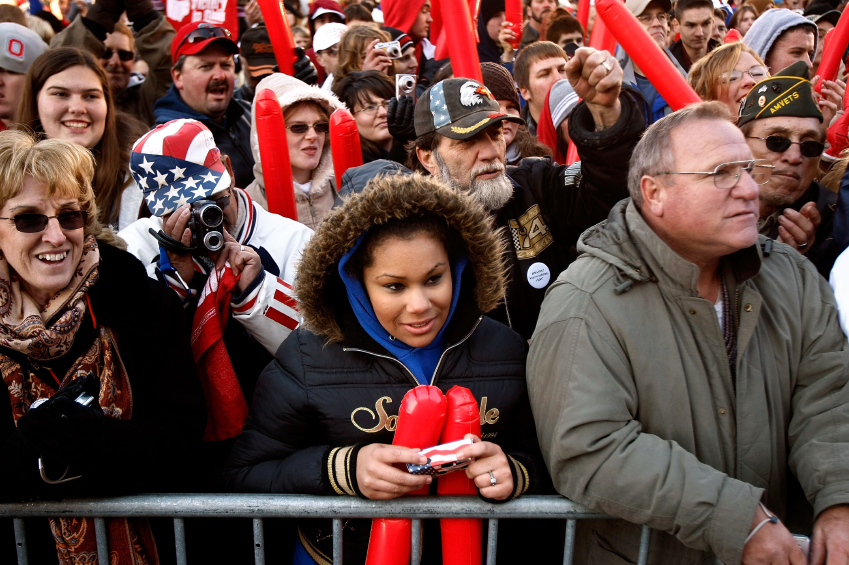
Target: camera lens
pixel 211 216
pixel 213 241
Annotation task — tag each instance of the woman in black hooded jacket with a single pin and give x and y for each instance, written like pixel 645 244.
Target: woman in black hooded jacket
pixel 328 403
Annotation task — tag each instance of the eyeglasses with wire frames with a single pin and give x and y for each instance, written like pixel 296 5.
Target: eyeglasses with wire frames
pixel 301 129
pixel 647 19
pixel 780 144
pixel 203 32
pixel 758 73
pixel 727 175
pixel 371 109
pixel 35 223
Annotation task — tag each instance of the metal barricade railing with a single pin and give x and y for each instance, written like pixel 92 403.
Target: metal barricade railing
pixel 257 507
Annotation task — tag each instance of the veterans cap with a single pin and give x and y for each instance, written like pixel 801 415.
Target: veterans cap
pixel 20 47
pixel 458 108
pixel 193 38
pixel 788 94
pixel 257 52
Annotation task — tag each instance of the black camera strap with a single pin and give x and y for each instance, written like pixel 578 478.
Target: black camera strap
pixel 170 243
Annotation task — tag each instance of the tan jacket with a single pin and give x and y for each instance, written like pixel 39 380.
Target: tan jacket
pixel 637 413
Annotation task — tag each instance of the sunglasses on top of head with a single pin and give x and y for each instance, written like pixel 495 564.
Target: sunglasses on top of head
pixel 35 223
pixel 203 32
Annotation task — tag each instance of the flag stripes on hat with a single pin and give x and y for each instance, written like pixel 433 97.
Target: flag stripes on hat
pixel 177 163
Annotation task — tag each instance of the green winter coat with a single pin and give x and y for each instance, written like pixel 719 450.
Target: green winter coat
pixel 637 413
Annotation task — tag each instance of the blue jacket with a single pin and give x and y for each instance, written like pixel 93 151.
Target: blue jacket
pixel 232 134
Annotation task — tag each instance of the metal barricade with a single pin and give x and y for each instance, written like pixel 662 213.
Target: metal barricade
pixel 257 507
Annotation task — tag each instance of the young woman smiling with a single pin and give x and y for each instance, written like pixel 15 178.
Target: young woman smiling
pixel 393 287
pixel 306 111
pixel 66 96
pixel 727 74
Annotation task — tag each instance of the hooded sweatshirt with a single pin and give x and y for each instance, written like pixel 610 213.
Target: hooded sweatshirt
pixel 772 24
pixel 315 202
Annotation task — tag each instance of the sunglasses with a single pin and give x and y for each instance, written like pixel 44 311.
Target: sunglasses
pixel 123 55
pixel 223 202
pixel 35 223
pixel 780 144
pixel 300 129
pixel 203 32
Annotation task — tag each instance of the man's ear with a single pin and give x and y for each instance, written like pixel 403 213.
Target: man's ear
pixel 229 166
pixel 428 161
pixel 526 93
pixel 675 26
pixel 654 193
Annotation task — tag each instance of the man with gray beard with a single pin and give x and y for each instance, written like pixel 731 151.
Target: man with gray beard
pixel 544 206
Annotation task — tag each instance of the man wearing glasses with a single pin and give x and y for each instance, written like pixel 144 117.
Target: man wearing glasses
pixel 783 125
pixel 653 16
pixel 688 374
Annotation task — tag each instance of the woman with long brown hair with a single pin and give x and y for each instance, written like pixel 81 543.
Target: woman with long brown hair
pixel 67 96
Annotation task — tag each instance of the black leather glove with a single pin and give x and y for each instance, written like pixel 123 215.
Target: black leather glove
pixel 104 13
pixel 400 119
pixel 137 8
pixel 62 428
pixel 304 69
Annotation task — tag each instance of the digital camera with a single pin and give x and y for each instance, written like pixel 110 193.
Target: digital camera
pixel 206 222
pixel 392 48
pixel 405 85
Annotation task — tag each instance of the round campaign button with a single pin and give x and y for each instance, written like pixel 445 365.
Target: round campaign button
pixel 538 275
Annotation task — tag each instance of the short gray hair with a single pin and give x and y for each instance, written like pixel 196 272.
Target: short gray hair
pixel 654 152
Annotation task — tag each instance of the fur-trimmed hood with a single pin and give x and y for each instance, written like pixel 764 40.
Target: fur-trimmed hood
pixel 290 91
pixel 318 285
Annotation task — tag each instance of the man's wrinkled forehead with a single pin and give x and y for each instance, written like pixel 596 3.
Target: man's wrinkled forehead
pixel 447 142
pixel 708 142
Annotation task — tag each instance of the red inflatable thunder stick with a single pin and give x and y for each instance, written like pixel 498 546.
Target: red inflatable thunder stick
pixel 276 169
pixel 602 38
pixel 645 53
pixel 836 42
pixel 513 14
pixel 345 143
pixel 461 537
pixel 420 420
pixel 281 36
pixel 572 155
pixel 459 35
pixel 584 14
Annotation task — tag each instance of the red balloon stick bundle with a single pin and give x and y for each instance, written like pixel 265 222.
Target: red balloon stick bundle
pixel 345 143
pixel 276 168
pixel 281 36
pixel 835 46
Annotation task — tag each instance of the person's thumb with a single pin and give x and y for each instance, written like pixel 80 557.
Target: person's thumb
pixel 817 550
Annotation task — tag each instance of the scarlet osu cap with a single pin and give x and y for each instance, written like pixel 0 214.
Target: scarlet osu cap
pixel 458 108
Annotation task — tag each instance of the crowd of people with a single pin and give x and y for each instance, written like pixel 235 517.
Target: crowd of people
pixel 644 306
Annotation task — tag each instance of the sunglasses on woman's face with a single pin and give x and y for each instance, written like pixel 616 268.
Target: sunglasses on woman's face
pixel 123 55
pixel 780 144
pixel 35 223
pixel 300 129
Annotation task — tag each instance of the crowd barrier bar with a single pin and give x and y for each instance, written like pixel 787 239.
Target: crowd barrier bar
pixel 260 506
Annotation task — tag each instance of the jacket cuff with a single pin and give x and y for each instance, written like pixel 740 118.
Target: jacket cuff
pixel 582 125
pixel 521 482
pixel 240 297
pixel 831 495
pixel 732 519
pixel 339 470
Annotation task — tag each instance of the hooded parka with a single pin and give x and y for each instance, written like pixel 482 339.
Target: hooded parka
pixel 638 413
pixel 332 389
pixel 312 207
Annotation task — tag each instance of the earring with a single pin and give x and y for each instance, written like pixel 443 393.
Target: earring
pixel 391 337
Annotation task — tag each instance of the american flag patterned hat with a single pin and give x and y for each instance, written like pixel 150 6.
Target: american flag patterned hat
pixel 177 163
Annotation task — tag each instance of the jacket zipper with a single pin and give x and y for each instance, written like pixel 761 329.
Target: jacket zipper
pixel 507 310
pixel 447 349
pixel 441 357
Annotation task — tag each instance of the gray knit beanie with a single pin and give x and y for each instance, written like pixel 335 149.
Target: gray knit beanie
pixel 562 100
pixel 770 25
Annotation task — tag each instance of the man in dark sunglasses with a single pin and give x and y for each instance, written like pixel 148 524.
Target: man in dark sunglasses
pixel 783 125
pixel 101 32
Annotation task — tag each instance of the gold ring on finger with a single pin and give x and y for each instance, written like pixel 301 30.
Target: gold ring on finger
pixel 607 66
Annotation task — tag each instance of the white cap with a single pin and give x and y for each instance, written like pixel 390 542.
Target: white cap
pixel 327 36
pixel 19 47
pixel 321 11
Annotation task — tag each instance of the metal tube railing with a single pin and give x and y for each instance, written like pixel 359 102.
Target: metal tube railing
pixel 257 507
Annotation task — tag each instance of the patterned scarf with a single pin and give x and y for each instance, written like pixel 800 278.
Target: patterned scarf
pixel 46 334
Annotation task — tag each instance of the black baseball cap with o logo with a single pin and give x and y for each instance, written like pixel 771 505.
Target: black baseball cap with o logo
pixel 19 47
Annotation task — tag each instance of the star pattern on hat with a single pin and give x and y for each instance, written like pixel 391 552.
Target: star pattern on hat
pixel 438 106
pixel 168 186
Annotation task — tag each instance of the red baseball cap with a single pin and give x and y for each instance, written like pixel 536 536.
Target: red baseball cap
pixel 193 38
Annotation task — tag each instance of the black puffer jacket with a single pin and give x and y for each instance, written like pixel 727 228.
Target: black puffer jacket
pixel 332 388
